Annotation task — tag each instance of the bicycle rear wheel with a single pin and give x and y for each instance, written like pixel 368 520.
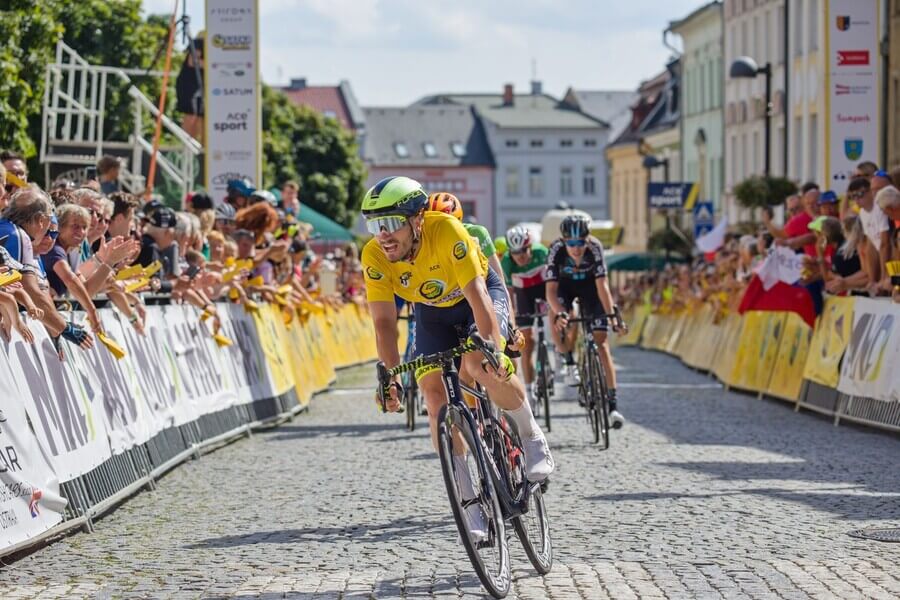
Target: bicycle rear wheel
pixel 489 557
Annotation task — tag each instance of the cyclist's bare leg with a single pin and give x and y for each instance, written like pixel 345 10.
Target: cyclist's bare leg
pixel 600 337
pixel 527 355
pixel 432 388
pixel 508 395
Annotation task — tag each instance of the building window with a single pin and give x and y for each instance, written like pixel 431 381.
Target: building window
pixel 429 149
pixel 535 182
pixel 590 182
pixel 537 143
pixel 565 143
pixel 512 182
pixel 813 25
pixel 329 114
pixel 565 181
pixel 401 150
pixel 468 207
pixel 512 143
pixel 590 143
pixel 458 149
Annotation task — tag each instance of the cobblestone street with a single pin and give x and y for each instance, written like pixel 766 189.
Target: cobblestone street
pixel 704 493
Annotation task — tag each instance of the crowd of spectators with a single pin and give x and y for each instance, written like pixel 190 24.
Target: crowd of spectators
pixel 850 246
pixel 80 246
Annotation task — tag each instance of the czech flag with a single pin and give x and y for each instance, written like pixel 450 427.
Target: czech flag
pixel 781 296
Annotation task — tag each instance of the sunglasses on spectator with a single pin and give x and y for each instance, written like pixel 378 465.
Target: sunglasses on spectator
pixel 576 243
pixel 388 223
pixel 100 216
pixel 856 195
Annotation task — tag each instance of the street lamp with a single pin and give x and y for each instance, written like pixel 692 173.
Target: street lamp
pixel 651 162
pixel 745 67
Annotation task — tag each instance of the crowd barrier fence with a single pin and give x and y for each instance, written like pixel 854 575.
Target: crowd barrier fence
pixel 845 367
pixel 81 434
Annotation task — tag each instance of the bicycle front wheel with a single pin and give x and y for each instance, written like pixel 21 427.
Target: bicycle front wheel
pixel 409 400
pixel 545 382
pixel 489 556
pixel 533 529
pixel 599 421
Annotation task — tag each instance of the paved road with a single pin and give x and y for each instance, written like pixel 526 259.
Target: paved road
pixel 704 494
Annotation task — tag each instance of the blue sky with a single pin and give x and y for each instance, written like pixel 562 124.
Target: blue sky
pixel 395 51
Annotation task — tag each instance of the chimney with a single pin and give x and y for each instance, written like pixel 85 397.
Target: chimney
pixel 536 88
pixel 508 95
pixel 298 83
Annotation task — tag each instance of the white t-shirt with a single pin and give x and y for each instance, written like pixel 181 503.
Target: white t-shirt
pixel 874 222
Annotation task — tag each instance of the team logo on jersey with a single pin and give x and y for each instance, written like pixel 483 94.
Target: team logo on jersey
pixel 404 278
pixel 432 289
pixel 460 250
pixel 373 274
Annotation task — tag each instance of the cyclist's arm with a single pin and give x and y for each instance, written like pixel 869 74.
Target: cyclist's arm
pixel 605 295
pixel 477 296
pixel 494 263
pixel 552 290
pixel 384 316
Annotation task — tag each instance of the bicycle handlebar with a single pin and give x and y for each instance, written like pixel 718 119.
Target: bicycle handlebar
pixel 475 342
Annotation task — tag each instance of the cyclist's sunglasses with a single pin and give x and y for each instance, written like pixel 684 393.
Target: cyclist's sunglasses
pixel 387 223
pixel 576 243
pixel 519 251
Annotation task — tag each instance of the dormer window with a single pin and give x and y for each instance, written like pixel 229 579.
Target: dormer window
pixel 429 149
pixel 401 150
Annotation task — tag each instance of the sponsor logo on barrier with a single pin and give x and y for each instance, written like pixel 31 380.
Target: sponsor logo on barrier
pixel 865 354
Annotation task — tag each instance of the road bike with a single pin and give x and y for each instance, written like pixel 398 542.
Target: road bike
pixel 592 389
pixel 412 397
pixel 543 369
pixel 496 464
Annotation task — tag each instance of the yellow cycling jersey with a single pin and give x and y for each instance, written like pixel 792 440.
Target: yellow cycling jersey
pixel 448 260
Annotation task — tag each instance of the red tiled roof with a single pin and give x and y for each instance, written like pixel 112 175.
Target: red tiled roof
pixel 322 99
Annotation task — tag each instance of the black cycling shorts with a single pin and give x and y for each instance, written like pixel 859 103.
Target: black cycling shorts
pixel 439 329
pixel 525 303
pixel 586 292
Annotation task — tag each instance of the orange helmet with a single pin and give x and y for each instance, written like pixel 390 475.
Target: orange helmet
pixel 446 202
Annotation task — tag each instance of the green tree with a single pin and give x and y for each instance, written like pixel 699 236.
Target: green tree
pixel 301 144
pixel 760 191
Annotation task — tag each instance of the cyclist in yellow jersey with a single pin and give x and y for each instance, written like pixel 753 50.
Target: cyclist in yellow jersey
pixel 429 259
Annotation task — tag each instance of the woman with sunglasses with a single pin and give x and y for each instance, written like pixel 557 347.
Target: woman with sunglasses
pixel 576 269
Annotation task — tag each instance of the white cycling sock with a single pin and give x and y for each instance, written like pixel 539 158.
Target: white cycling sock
pixel 524 420
pixel 464 476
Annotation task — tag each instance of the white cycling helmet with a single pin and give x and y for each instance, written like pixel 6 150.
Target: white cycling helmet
pixel 518 238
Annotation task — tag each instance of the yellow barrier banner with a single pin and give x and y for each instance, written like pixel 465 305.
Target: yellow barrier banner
pixel 274 349
pixel 787 374
pixel 726 348
pixel 829 342
pixel 636 319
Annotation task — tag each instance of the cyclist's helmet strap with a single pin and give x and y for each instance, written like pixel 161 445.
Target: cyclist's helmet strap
pixel 518 238
pixel 394 196
pixel 446 203
pixel 575 226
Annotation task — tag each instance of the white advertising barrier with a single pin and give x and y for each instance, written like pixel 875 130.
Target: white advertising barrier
pixel 869 368
pixel 248 359
pixel 29 490
pixel 67 422
pixel 232 94
pixel 852 78
pixel 200 362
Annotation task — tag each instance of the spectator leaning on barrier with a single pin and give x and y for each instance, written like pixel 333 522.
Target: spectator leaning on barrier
pixel 792 208
pixel 290 198
pixel 797 228
pixel 27 218
pixel 74 222
pixel 224 221
pixel 827 204
pixel 122 222
pixel 875 225
pixel 159 236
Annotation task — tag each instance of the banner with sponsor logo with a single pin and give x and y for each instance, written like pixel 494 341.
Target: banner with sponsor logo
pixel 29 489
pixel 67 422
pixel 870 363
pixel 852 78
pixel 787 372
pixel 233 118
pixel 829 341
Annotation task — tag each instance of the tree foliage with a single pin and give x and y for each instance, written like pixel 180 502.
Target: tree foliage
pixel 317 152
pixel 759 191
pixel 667 240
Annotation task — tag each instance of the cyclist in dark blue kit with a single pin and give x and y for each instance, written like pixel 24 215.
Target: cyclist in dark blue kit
pixel 576 269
